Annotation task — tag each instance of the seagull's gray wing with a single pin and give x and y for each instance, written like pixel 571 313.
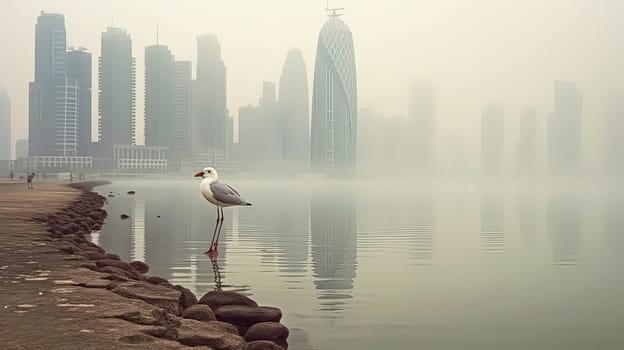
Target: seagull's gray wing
pixel 224 193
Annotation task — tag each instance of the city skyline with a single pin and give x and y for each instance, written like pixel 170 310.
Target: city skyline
pixel 429 54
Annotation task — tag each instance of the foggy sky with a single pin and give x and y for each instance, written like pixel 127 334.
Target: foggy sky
pixel 476 52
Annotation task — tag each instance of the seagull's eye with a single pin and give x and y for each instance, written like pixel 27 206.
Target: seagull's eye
pixel 209 171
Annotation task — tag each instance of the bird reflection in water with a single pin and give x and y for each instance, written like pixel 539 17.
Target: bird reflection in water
pixel 215 270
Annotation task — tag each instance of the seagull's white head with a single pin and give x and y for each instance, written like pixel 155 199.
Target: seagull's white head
pixel 208 173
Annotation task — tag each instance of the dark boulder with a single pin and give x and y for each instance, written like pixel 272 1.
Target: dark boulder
pixel 242 315
pixel 196 333
pixel 273 331
pixel 187 298
pixel 199 312
pixel 216 299
pixel 158 281
pixel 263 345
pixel 140 266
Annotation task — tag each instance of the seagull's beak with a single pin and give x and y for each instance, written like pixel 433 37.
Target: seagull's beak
pixel 200 174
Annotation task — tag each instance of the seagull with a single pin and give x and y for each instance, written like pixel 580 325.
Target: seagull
pixel 221 195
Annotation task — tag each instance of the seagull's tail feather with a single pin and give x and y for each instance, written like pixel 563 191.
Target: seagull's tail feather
pixel 248 204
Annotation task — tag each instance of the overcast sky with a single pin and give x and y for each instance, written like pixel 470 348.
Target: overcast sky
pixel 476 52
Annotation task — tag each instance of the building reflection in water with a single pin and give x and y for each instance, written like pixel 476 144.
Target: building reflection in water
pixel 334 237
pixel 422 223
pixel 527 217
pixel 114 235
pixel 563 225
pixel 492 223
pixel 614 223
pixel 138 229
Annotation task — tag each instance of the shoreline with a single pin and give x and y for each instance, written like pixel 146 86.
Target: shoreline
pixel 56 283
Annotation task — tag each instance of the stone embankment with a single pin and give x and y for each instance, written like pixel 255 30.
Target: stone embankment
pixel 60 291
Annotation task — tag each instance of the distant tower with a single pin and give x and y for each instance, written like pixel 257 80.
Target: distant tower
pixel 564 129
pixel 181 144
pixel 259 136
pixel 159 120
pixel 79 69
pixel 527 141
pixel 334 99
pixel 612 136
pixel 294 109
pixel 5 125
pixel 492 139
pixel 422 120
pixel 50 77
pixel 116 124
pixel 212 110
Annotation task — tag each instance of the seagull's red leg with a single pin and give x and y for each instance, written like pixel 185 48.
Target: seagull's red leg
pixel 212 244
pixel 216 242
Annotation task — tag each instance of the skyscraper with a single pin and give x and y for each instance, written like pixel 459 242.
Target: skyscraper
pixel 5 125
pixel 492 139
pixel 613 131
pixel 50 72
pixel 334 100
pixel 181 145
pixel 66 121
pixel 294 121
pixel 422 121
pixel 259 137
pixel 159 120
pixel 21 148
pixel 564 129
pixel 211 104
pixel 79 69
pixel 527 140
pixel 116 124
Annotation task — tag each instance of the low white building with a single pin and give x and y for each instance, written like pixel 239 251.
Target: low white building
pixel 140 158
pixel 57 163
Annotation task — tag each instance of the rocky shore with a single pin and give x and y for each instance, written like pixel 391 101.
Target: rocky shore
pixel 60 291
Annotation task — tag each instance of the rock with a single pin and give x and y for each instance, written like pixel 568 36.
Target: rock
pixel 163 297
pixel 158 281
pixel 140 266
pixel 263 345
pixel 124 216
pixel 216 299
pixel 114 277
pixel 136 339
pixel 91 247
pixel 242 315
pixel 119 272
pixel 115 263
pixel 93 255
pixel 158 317
pixel 100 283
pixel 162 332
pixel 112 256
pixel 187 298
pixel 224 326
pixel 196 333
pixel 273 331
pixel 199 312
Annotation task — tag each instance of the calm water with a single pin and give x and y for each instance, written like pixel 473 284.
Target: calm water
pixel 374 265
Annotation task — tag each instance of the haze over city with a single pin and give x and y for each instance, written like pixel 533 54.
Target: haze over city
pixel 474 54
pixel 312 174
